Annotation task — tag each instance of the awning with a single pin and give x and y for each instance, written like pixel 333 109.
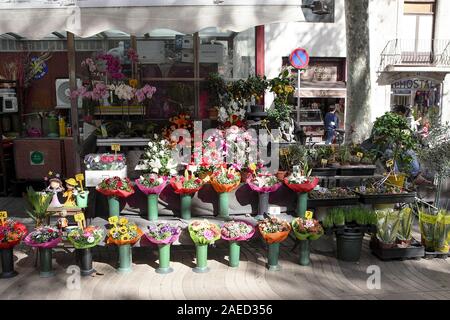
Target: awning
pixel 36 23
pixel 322 89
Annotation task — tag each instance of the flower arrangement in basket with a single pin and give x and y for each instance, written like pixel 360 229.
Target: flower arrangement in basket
pixel 307 229
pixel 203 232
pixel 43 237
pixel 116 187
pixel 274 230
pixel 124 232
pixel 105 161
pixel 157 157
pixel 11 233
pixel 85 238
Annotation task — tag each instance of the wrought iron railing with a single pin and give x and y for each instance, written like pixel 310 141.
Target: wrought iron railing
pixel 416 52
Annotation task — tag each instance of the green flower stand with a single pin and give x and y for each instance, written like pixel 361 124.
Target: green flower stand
pixel 235 250
pixel 125 258
pixel 272 258
pixel 186 200
pixel 114 206
pixel 45 263
pixel 201 251
pixel 164 259
pixel 304 252
pixel 224 205
pixel 302 204
pixel 84 259
pixel 7 256
pixel 152 206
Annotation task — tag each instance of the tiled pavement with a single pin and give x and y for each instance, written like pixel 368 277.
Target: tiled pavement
pixel 325 278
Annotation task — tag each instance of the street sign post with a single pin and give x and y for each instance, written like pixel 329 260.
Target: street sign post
pixel 299 59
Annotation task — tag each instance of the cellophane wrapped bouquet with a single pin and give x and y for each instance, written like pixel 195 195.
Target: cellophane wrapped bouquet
pixel 264 182
pixel 186 184
pixel 116 187
pixel 11 233
pixel 85 238
pixel 204 232
pixel 274 230
pixel 151 183
pixel 162 233
pixel 225 180
pixel 307 229
pixel 44 237
pixel 237 231
pixel 125 232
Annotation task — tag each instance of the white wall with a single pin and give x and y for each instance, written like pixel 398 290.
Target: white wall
pixel 443 32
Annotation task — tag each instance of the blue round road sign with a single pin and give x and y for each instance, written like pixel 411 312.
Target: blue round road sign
pixel 299 58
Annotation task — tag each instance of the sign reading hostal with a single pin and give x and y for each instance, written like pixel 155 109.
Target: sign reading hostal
pixel 37 158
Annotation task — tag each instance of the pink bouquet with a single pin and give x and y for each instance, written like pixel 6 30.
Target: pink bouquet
pixel 43 237
pixel 237 231
pixel 151 183
pixel 264 183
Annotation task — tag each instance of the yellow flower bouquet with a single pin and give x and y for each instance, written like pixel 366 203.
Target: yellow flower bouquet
pixel 124 232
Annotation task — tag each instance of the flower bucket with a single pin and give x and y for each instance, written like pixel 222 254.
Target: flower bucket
pixel 152 207
pixel 84 258
pixel 272 257
pixel 82 199
pixel 304 252
pixel 302 204
pixel 263 203
pixel 201 252
pixel 114 206
pixel 45 263
pixel 186 200
pixel 235 250
pixel 125 258
pixel 7 257
pixel 224 205
pixel 164 259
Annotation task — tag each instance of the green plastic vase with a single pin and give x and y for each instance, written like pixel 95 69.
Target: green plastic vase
pixel 302 204
pixel 152 207
pixel 272 258
pixel 201 251
pixel 125 258
pixel 164 259
pixel 114 206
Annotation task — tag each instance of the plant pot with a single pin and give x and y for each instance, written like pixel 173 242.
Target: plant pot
pixel 281 175
pixel 114 206
pixel 302 204
pixel 7 256
pixel 349 244
pixel 304 252
pixel 263 202
pixel 257 108
pixel 152 207
pixel 45 263
pixel 164 259
pixel 82 199
pixel 224 205
pixel 272 257
pixel 186 200
pixel 213 113
pixel 235 251
pixel 125 258
pixel 201 252
pixel 384 245
pixel 84 259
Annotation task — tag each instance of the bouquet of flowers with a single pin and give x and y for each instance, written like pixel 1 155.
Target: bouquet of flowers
pixel 151 183
pixel 187 184
pixel 274 230
pixel 225 180
pixel 240 147
pixel 11 233
pixel 307 229
pixel 181 121
pixel 85 238
pixel 300 181
pixel 105 161
pixel 43 237
pixel 264 183
pixel 233 115
pixel 162 233
pixel 204 232
pixel 237 231
pixel 124 232
pixel 116 187
pixel 157 157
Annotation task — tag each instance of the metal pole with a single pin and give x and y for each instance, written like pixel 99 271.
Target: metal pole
pixel 298 94
pixel 73 102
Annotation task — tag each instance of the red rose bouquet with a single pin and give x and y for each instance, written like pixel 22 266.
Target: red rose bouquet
pixel 11 233
pixel 116 187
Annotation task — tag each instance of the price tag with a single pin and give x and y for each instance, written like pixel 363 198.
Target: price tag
pixel 390 163
pixel 308 215
pixel 113 220
pixel 115 147
pixel 3 216
pixel 79 219
pixel 79 177
pixel 324 161
pixel 360 155
pixel 104 131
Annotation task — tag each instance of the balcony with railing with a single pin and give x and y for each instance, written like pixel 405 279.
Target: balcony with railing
pixel 415 53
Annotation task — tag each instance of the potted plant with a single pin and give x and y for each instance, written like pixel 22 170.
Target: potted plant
pixel 224 181
pixel 83 239
pixel 300 182
pixel 216 88
pixel 234 232
pixel 264 184
pixel 11 233
pixel 257 86
pixel 283 88
pixel 327 197
pixel 163 235
pixel 186 186
pixel 123 234
pixel 404 233
pixel 203 233
pixel 274 231
pixel 152 185
pixel 305 230
pixel 115 188
pixel 387 228
pixel 45 239
pixel 433 226
pixel 39 203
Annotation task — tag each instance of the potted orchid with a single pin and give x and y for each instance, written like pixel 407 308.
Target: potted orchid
pixel 274 231
pixel 234 232
pixel 83 239
pixel 11 233
pixel 203 233
pixel 115 188
pixel 44 238
pixel 152 185
pixel 300 182
pixel 264 184
pixel 224 181
pixel 306 229
pixel 163 235
pixel 186 186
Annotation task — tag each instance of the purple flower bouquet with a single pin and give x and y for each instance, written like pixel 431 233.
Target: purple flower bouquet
pixel 43 237
pixel 162 233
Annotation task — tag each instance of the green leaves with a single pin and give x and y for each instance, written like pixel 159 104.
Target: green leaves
pixel 388 225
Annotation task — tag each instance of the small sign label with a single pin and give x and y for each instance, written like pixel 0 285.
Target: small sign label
pixel 79 177
pixel 274 210
pixel 115 147
pixel 324 161
pixel 308 215
pixel 3 214
pixel 79 217
pixel 36 158
pixel 390 163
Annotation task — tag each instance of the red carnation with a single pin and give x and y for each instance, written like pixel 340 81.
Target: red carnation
pixel 230 176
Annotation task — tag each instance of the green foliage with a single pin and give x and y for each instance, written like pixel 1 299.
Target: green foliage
pixel 328 221
pixel 294 155
pixel 217 88
pixel 257 85
pixel 405 229
pixel 388 225
pixel 338 216
pixel 283 88
pixel 39 202
pixel 344 154
pixel 435 154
